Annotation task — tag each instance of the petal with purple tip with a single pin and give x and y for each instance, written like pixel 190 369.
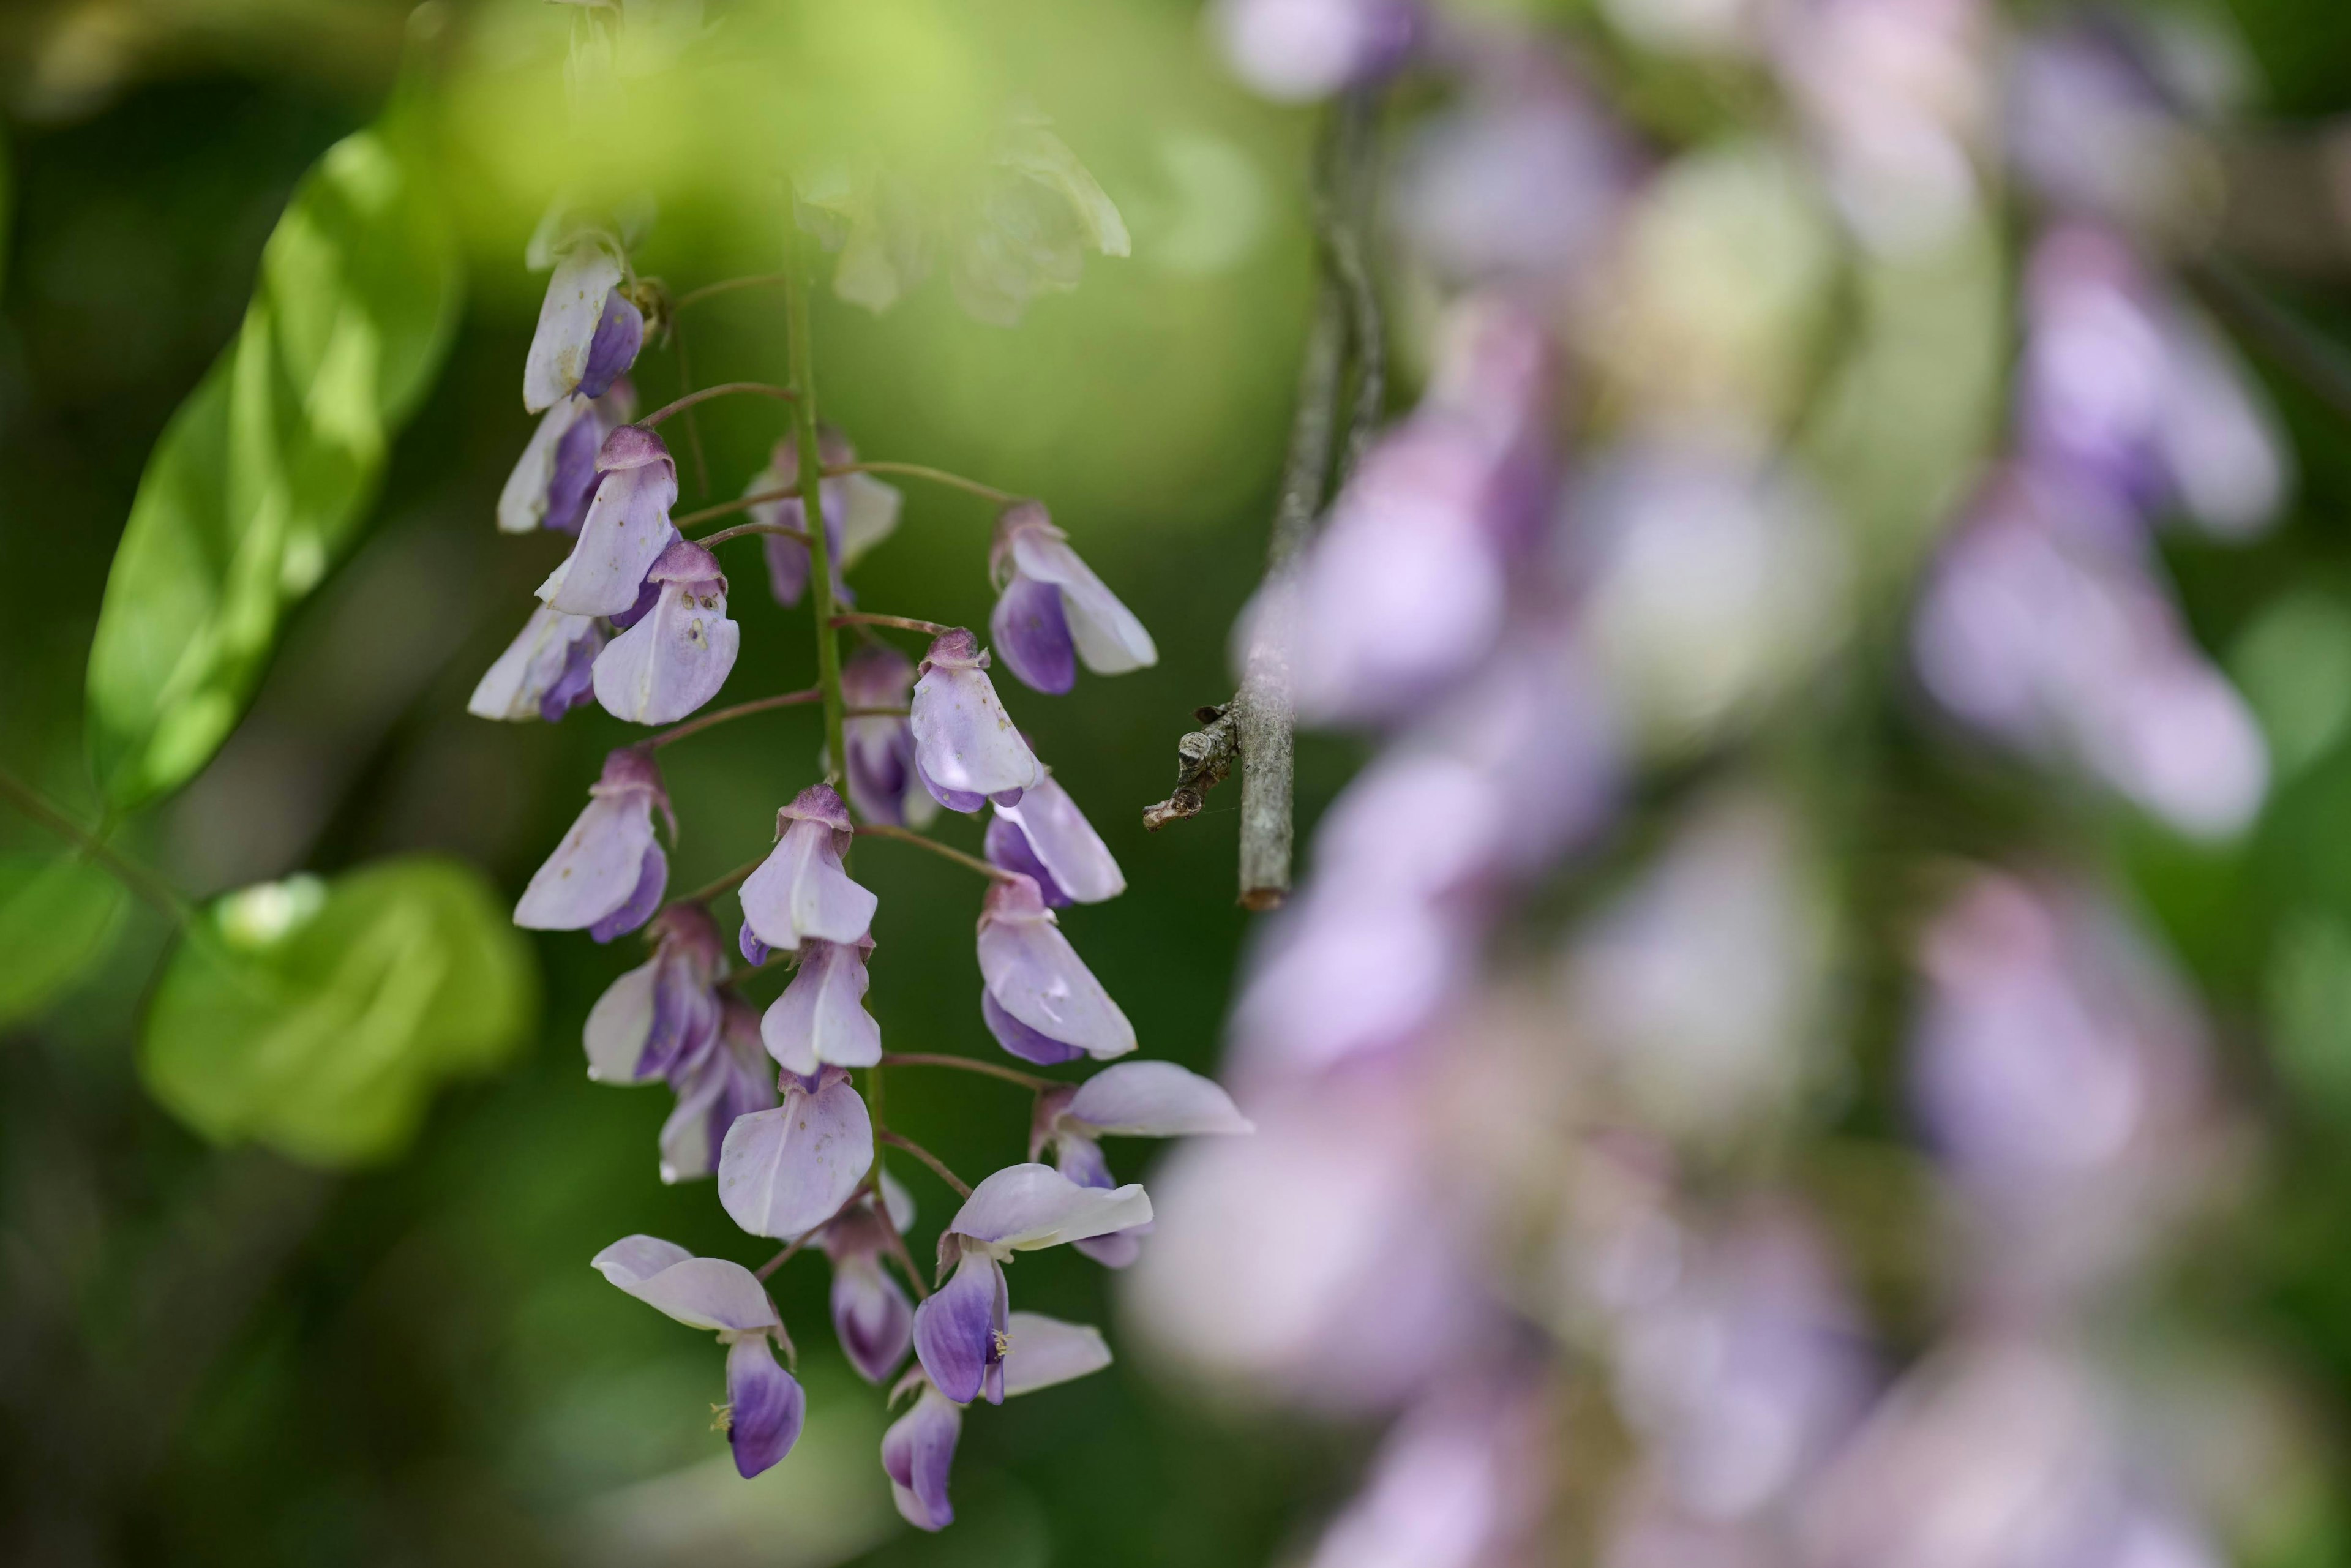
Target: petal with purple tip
pixel 523 503
pixel 653 877
pixel 871 1316
pixel 956 1328
pixel 1007 847
pixel 821 1017
pixel 625 531
pixel 1045 1351
pixel 1036 976
pixel 1020 1039
pixel 964 743
pixel 782 1172
pixel 800 890
pixel 568 320
pixel 917 1453
pixel 765 1405
pixel 620 332
pixel 675 659
pixel 596 869
pixel 700 1292
pixel 1031 635
pixel 1154 1099
pixel 535 666
pixel 1023 1208
pixel 1065 843
pixel 1108 637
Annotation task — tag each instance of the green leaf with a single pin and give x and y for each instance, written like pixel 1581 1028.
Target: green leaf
pixel 262 477
pixel 58 916
pixel 318 1019
pixel 2308 1008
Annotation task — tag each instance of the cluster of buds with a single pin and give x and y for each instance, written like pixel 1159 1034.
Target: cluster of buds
pixel 769 1098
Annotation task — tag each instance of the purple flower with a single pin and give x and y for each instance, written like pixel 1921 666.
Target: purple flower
pixel 627 528
pixel 556 475
pixel 1461 1480
pixel 967 752
pixel 545 673
pixel 821 1017
pixel 870 1316
pixel 801 889
pixel 664 1012
pixel 1297 50
pixel 1046 839
pixel 676 659
pixel 589 332
pixel 607 876
pixel 730 1078
pixel 962 1332
pixel 1039 998
pixel 1052 611
pixel 883 784
pixel 919 1449
pixel 860 512
pixel 784 1172
pixel 765 1404
pixel 1133 1099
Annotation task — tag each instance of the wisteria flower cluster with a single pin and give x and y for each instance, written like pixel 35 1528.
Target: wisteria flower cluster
pixel 767 1098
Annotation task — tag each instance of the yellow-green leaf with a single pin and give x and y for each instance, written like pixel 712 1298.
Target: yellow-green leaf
pixel 58 916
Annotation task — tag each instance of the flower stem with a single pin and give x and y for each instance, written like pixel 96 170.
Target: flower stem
pixel 903 622
pixel 742 530
pixel 706 394
pixel 936 476
pixel 811 472
pixel 144 883
pixel 725 286
pixel 908 836
pixel 735 878
pixel 966 1064
pixel 740 504
pixel 938 1166
pixel 740 710
pixel 784 1257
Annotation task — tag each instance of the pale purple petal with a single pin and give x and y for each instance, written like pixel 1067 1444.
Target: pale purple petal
pixel 1007 846
pixel 653 877
pixel 964 743
pixel 962 801
pixel 524 502
pixel 1064 842
pixel 732 1080
pixel 1023 1208
pixel 626 529
pixel 700 1292
pixel 784 1171
pixel 1020 1039
pixel 787 566
pixel 800 890
pixel 1154 1099
pixel 567 321
pixel 917 1453
pixel 572 484
pixel 765 1405
pixel 747 942
pixel 577 681
pixel 1298 50
pixel 871 1316
pixel 619 1025
pixel 620 332
pixel 675 659
pixel 956 1329
pixel 821 1017
pixel 596 869
pixel 1108 638
pixel 1117 1250
pixel 881 746
pixel 869 514
pixel 1031 635
pixel 1045 1351
pixel 1034 975
pixel 536 668
pixel 1077 1156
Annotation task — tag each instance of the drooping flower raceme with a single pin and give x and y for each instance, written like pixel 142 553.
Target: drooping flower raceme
pixel 967 751
pixel 918 1450
pixel 765 1404
pixel 1297 50
pixel 663 1012
pixel 1051 610
pixel 800 890
pixel 730 1079
pixel 1039 998
pixel 962 1332
pixel 883 784
pixel 784 1172
pixel 556 475
pixel 1046 839
pixel 860 512
pixel 607 876
pixel 821 1017
pixel 589 331
pixel 674 660
pixel 626 529
pixel 545 673
pixel 1133 1099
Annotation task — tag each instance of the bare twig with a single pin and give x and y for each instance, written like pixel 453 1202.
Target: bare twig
pixel 1203 759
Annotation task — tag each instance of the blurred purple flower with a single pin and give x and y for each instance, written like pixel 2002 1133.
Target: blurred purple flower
pixel 1297 50
pixel 860 512
pixel 607 876
pixel 870 1314
pixel 1458 1483
pixel 883 784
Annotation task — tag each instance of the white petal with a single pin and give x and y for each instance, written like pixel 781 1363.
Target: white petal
pixel 1045 1351
pixel 1065 842
pixel 870 515
pixel 701 1292
pixel 510 688
pixel 618 1023
pixel 1154 1099
pixel 625 531
pixel 1025 1206
pixel 672 661
pixel 522 505
pixel 594 869
pixel 1108 637
pixel 567 324
pixel 964 737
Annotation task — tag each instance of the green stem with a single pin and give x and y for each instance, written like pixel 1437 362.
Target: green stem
pixel 740 530
pixel 724 285
pixel 141 882
pixel 803 355
pixel 936 476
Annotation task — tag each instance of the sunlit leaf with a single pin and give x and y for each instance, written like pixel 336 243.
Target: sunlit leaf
pixel 262 477
pixel 318 1019
pixel 59 914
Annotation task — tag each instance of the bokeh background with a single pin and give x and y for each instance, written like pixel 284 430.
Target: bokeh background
pixel 216 1355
